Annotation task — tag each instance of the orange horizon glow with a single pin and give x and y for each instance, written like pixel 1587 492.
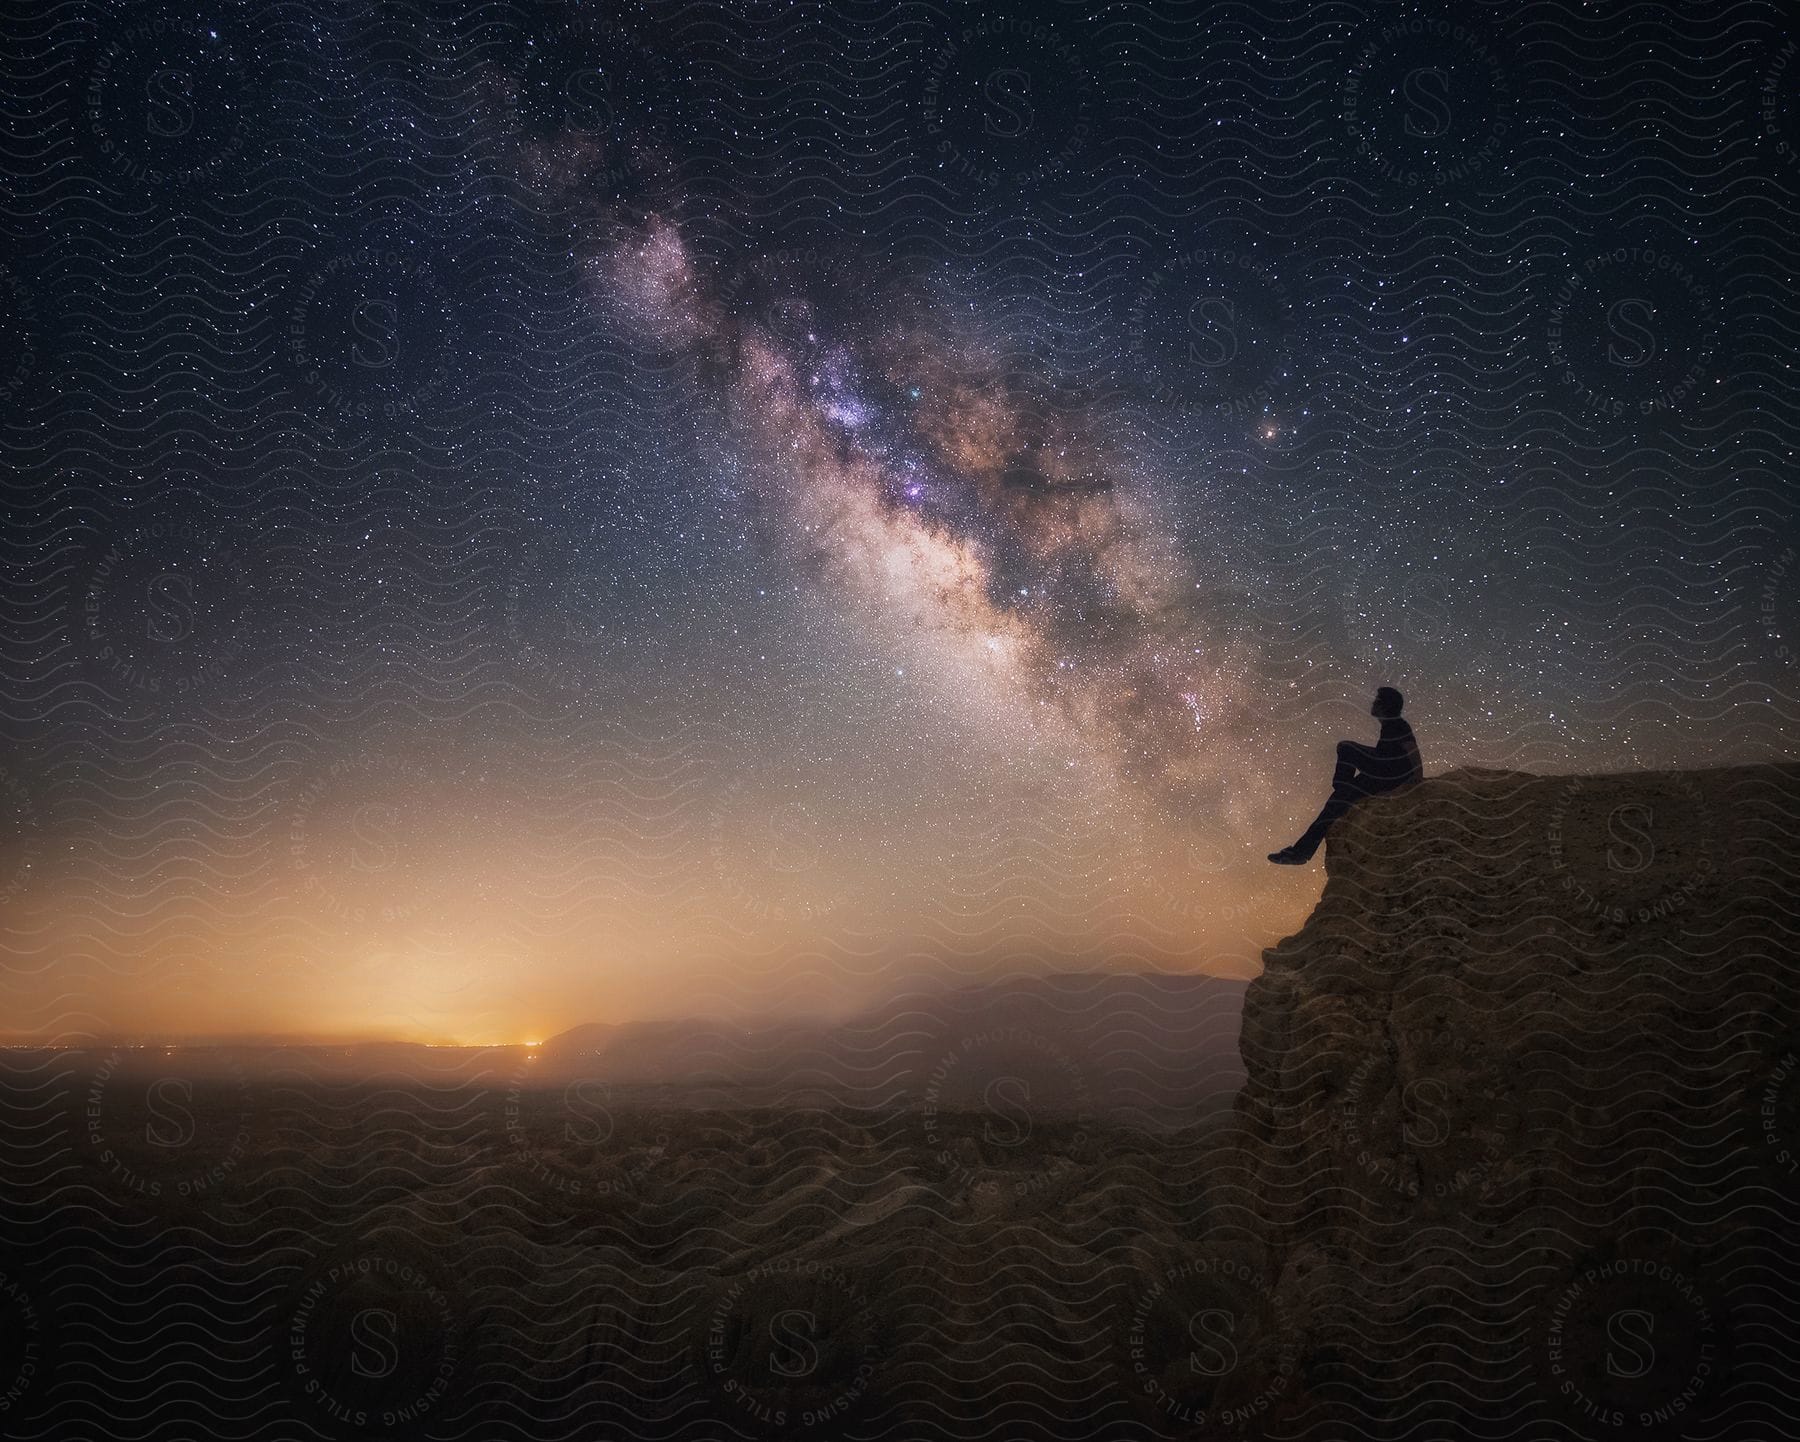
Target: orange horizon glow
pixel 495 912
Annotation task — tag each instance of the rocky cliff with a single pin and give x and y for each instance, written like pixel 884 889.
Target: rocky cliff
pixel 1519 1130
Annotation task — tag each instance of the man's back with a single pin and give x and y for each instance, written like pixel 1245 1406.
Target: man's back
pixel 1397 761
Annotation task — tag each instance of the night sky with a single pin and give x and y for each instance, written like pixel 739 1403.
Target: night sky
pixel 520 515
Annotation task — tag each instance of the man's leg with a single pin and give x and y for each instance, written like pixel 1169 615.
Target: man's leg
pixel 1344 794
pixel 1347 788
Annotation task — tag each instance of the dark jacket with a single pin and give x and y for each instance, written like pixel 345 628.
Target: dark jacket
pixel 1395 759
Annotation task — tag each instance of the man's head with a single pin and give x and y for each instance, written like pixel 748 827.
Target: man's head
pixel 1388 702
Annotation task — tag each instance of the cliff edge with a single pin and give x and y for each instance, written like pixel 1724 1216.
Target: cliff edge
pixel 1519 1130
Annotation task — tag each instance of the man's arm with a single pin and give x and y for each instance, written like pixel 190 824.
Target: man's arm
pixel 1396 757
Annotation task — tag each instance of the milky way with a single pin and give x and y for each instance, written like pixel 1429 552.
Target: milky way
pixel 951 494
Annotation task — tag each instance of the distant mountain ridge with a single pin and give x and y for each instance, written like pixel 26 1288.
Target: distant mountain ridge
pixel 1132 1046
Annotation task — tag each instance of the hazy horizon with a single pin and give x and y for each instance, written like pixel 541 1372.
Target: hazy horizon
pixel 636 557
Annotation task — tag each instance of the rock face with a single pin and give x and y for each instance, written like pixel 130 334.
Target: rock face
pixel 1519 1130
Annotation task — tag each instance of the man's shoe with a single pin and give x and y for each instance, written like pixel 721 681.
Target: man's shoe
pixel 1287 856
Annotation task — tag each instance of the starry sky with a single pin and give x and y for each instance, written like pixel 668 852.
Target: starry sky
pixel 529 514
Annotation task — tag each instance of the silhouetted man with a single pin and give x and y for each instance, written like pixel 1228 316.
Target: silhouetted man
pixel 1392 762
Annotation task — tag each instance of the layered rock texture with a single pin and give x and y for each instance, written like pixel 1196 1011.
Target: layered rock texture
pixel 1516 1152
